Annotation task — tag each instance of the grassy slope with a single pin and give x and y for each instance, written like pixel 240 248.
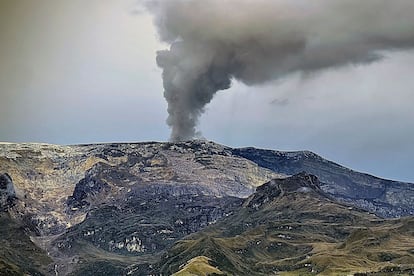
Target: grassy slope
pixel 18 254
pixel 301 233
pixel 198 266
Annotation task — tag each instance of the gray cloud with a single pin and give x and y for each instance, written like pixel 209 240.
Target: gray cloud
pixel 359 116
pixel 215 41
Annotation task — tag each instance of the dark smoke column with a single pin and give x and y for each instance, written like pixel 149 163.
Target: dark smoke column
pixel 255 41
pixel 191 77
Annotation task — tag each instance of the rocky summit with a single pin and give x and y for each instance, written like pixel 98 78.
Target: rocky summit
pixel 196 208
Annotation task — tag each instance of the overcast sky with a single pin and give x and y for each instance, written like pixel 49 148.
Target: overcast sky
pixel 84 71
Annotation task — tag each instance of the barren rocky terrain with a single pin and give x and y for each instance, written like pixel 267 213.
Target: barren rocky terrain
pixel 163 208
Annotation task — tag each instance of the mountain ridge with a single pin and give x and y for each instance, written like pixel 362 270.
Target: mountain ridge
pixel 381 196
pixel 284 228
pixel 118 208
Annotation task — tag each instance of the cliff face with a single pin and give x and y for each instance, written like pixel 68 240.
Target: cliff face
pixel 117 208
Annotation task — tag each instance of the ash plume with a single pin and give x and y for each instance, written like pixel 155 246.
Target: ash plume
pixel 255 41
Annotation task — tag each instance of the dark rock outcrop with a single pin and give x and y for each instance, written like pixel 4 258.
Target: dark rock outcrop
pixel 299 183
pixel 88 188
pixel 7 192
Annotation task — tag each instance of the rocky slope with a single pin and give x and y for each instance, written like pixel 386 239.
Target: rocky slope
pixel 291 226
pixel 96 203
pixel 113 209
pixel 57 182
pixel 386 198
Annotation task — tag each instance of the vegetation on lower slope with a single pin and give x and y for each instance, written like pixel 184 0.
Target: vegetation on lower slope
pixel 18 254
pixel 291 226
pixel 117 209
pixel 198 266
